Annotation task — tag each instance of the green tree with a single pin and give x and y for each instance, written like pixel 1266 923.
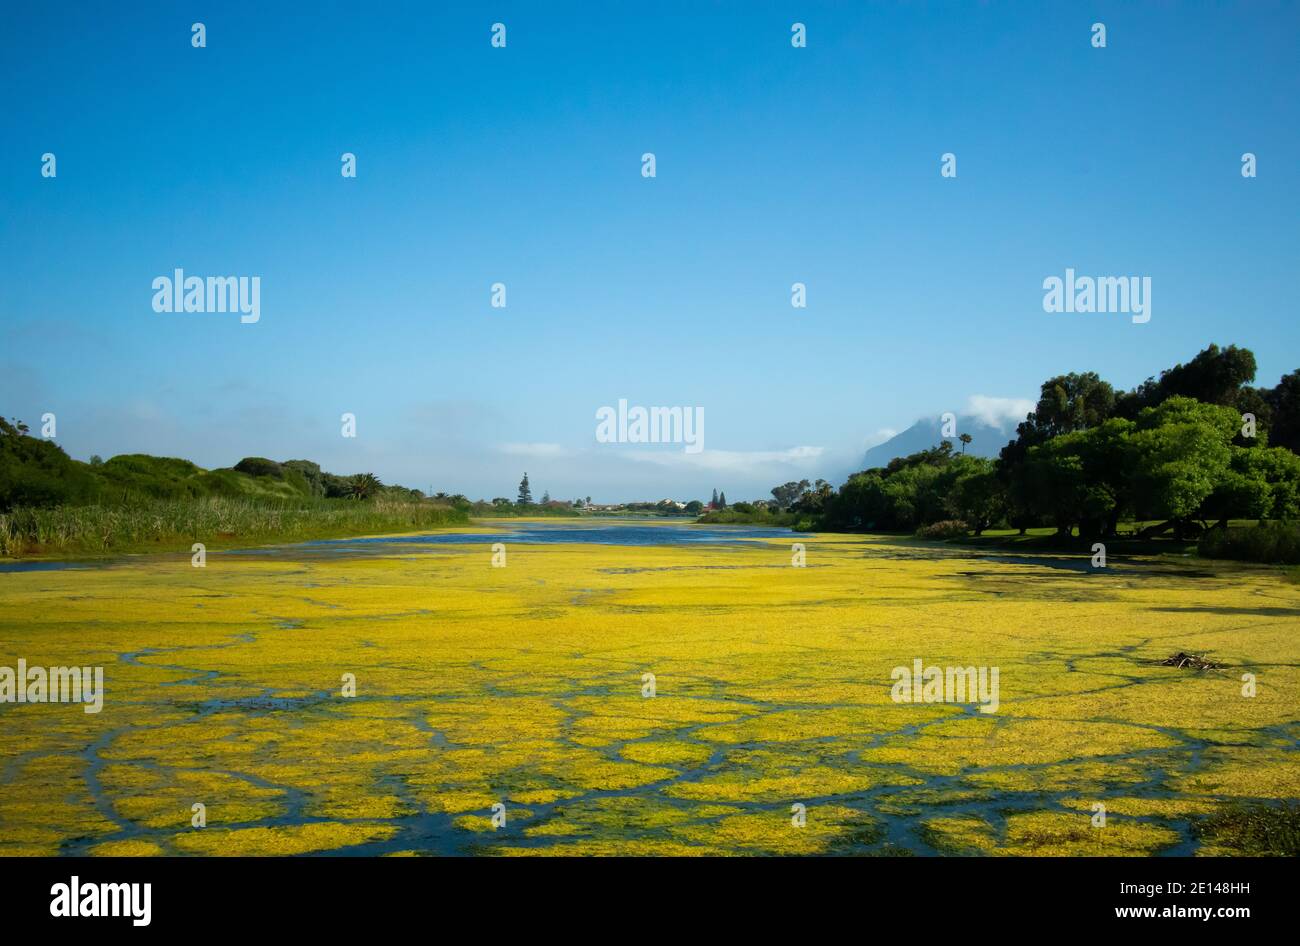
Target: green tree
pixel 1243 491
pixel 788 494
pixel 310 473
pixel 977 496
pixel 36 472
pixel 815 497
pixel 1083 478
pixel 1070 402
pixel 1215 376
pixel 1282 473
pixel 1066 404
pixel 363 486
pixel 1260 483
pixel 1182 450
pixel 525 492
pixel 1284 407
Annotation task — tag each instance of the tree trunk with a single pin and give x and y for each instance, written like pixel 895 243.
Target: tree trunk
pixel 1160 529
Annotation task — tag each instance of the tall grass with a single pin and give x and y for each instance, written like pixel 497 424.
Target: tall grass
pixel 216 521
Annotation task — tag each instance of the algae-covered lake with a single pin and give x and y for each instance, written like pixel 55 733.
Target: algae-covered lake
pixel 503 705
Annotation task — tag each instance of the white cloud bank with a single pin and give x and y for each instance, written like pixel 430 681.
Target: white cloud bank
pixel 739 462
pixel 544 450
pixel 1001 412
pixel 879 437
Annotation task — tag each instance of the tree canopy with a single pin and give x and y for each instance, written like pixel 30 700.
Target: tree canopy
pixel 1198 444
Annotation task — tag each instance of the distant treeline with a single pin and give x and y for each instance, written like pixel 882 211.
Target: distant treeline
pixel 1191 450
pixel 506 508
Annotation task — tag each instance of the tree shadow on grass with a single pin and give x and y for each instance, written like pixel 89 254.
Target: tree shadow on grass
pixel 1261 612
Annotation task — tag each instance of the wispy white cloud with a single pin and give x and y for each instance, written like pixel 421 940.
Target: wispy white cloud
pixel 533 449
pixel 740 462
pixel 879 437
pixel 1000 412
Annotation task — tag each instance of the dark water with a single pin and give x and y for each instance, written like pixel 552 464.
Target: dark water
pixel 609 532
pixel 636 532
pixel 45 566
pixel 603 532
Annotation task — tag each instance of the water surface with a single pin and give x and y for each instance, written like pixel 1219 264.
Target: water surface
pixel 628 532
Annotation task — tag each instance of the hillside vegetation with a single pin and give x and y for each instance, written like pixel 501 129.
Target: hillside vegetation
pixel 51 504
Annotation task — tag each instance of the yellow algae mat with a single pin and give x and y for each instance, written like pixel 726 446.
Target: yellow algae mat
pixel 708 699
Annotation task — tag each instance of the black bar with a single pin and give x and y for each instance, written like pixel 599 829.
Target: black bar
pixel 332 895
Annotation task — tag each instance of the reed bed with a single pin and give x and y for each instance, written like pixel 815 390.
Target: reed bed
pixel 215 521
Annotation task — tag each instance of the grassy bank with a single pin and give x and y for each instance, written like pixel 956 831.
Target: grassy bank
pixel 175 524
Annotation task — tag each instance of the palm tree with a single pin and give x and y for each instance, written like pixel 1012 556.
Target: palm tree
pixel 965 439
pixel 363 486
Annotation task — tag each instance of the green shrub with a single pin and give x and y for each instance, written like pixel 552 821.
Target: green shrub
pixel 260 466
pixel 943 529
pixel 1273 543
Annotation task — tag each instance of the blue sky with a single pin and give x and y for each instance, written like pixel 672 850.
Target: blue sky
pixel 522 166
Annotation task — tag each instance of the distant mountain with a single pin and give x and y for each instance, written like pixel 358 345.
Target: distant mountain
pixel 986 439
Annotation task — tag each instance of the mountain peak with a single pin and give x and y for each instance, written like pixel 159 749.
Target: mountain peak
pixel 986 439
